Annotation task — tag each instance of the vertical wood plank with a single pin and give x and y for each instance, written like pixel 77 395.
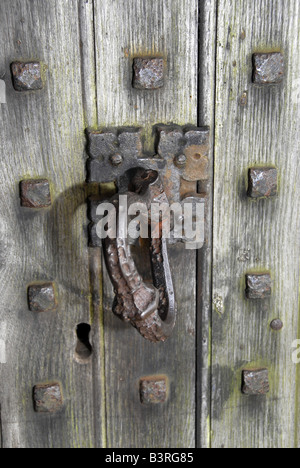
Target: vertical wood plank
pixel 124 31
pixel 262 235
pixel 89 96
pixel 88 60
pixel 165 28
pixel 42 135
pixel 206 116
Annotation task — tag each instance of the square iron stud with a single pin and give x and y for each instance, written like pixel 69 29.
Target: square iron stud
pixel 35 193
pixel 42 297
pixel 148 73
pixel 258 286
pixel 256 382
pixel 263 182
pixel 47 398
pixel 153 390
pixel 268 68
pixel 27 76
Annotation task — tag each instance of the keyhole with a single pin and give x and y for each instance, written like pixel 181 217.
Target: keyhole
pixel 84 348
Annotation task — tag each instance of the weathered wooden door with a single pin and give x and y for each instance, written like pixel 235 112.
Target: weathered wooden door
pixel 71 373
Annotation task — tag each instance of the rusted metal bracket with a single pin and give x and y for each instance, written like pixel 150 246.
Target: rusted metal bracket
pixel 169 176
pixel 181 156
pixel 181 160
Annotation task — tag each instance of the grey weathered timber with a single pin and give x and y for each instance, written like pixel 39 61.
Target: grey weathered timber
pixel 137 28
pixel 42 136
pixel 168 29
pixel 255 126
pixel 89 95
pixel 225 378
pixel 206 113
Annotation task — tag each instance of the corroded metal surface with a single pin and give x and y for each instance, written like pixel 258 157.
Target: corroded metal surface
pixel 47 398
pixel 180 161
pixel 113 152
pixel 187 146
pixel 150 309
pixel 258 286
pixel 276 325
pixel 256 382
pixel 116 159
pixel 117 155
pixel 197 166
pixel 42 297
pixel 148 73
pixel 27 76
pixel 35 193
pixel 268 68
pixel 153 390
pixel 263 182
pixel 181 155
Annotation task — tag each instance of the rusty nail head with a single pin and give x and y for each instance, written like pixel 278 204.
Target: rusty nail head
pixel 148 73
pixel 47 398
pixel 276 325
pixel 256 382
pixel 180 161
pixel 268 68
pixel 263 182
pixel 258 286
pixel 42 297
pixel 35 193
pixel 116 159
pixel 153 390
pixel 27 76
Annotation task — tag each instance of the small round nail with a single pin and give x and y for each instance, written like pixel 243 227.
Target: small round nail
pixel 116 159
pixel 180 161
pixel 276 325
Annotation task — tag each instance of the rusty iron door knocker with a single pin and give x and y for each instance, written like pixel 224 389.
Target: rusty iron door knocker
pixel 168 177
pixel 150 309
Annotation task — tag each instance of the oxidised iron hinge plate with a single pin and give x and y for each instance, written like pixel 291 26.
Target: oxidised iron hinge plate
pixel 181 159
pixel 181 155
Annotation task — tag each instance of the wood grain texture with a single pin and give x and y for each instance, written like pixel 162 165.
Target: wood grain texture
pixel 87 48
pixel 165 28
pixel 262 235
pixel 42 135
pixel 206 116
